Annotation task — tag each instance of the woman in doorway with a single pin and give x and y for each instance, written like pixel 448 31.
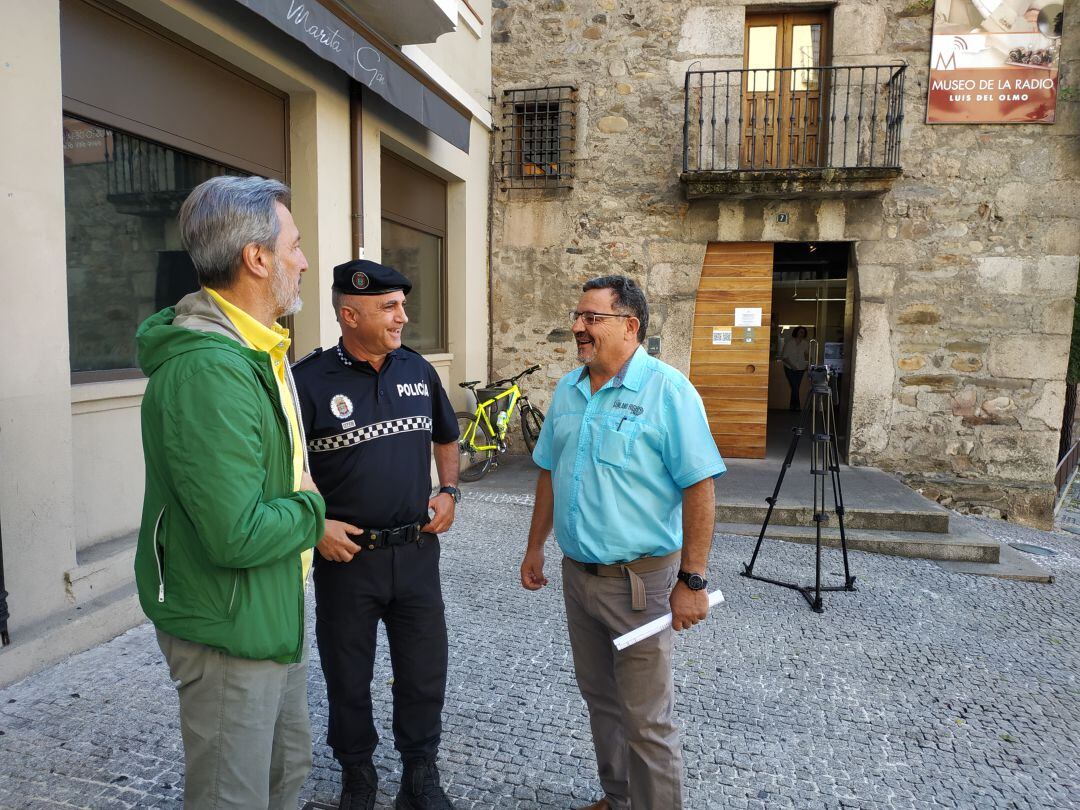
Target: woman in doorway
pixel 793 356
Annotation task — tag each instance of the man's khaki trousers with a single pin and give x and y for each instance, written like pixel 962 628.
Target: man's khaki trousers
pixel 247 738
pixel 630 693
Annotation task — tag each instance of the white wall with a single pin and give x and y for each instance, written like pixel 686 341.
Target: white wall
pixel 35 412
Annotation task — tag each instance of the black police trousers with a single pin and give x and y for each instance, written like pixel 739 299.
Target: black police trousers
pixel 401 586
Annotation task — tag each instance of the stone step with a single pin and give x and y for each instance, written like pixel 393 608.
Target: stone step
pixel 101 568
pixel 70 631
pixel 932 519
pixel 965 544
pixel 1011 564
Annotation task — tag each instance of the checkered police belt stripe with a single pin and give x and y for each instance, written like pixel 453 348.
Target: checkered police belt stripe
pixel 369 432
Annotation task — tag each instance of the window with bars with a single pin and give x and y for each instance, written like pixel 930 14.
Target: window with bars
pixel 538 137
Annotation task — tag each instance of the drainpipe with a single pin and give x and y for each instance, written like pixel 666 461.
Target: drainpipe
pixel 5 639
pixel 490 260
pixel 356 115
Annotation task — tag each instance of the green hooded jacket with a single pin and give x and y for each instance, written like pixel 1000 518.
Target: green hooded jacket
pixel 218 559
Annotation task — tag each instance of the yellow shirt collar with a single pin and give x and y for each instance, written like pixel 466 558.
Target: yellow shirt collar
pixel 273 340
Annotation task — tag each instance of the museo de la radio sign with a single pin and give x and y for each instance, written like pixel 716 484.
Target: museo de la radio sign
pixel 994 62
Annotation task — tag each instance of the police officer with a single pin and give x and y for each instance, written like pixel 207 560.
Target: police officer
pixel 372 408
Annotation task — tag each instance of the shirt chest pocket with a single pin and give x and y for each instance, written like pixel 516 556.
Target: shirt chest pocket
pixel 615 443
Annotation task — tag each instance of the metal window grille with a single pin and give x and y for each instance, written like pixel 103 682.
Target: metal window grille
pixel 538 137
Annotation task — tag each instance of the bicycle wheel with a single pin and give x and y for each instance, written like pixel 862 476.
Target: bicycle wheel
pixel 532 419
pixel 472 464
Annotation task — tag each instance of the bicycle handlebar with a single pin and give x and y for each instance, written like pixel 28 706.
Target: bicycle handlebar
pixel 517 377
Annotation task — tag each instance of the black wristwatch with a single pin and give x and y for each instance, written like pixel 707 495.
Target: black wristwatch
pixel 695 582
pixel 453 492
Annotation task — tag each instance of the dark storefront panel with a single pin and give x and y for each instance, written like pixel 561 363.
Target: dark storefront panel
pixel 127 74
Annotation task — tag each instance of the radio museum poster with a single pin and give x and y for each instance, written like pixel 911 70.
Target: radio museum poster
pixel 994 62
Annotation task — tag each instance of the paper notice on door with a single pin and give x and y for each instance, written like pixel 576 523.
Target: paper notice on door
pixel 748 316
pixel 721 337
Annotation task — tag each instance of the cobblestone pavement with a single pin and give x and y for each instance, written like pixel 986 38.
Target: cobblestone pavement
pixel 924 689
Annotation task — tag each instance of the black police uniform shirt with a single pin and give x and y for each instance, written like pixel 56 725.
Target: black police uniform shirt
pixel 369 434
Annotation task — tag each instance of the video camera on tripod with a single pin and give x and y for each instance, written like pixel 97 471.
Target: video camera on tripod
pixel 819 418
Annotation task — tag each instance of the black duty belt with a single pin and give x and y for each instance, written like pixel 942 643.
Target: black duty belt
pixel 383 538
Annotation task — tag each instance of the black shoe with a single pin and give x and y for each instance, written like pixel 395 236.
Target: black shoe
pixel 359 784
pixel 420 787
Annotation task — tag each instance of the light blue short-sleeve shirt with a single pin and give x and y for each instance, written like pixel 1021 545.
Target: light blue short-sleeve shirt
pixel 621 458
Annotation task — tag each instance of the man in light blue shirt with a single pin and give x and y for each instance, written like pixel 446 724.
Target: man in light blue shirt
pixel 627 467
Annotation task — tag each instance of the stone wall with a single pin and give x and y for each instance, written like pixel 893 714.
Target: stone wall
pixel 966 265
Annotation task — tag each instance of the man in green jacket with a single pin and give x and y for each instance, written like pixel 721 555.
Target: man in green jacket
pixel 230 514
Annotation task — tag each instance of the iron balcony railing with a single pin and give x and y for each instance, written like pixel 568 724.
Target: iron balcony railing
pixel 793 119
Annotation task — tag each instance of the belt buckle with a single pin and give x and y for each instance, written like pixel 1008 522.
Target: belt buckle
pixel 591 568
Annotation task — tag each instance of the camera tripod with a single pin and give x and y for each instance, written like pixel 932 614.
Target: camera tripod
pixel 819 416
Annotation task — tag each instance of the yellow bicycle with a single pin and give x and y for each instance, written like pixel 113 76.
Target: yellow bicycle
pixel 482 434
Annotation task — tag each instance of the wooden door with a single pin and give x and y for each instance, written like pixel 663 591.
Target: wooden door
pixel 733 378
pixel 784 89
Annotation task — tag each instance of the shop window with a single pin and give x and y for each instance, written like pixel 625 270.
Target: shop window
pixel 419 256
pixel 414 243
pixel 538 137
pixel 124 258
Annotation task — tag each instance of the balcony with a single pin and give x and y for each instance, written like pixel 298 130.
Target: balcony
pixel 792 132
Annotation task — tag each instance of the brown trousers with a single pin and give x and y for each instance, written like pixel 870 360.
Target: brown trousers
pixel 630 694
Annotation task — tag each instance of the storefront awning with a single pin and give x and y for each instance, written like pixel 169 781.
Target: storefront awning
pixel 335 40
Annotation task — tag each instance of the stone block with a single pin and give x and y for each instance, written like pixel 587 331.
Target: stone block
pixel 1057 317
pixel 1049 406
pixel 1030 357
pixel 935 382
pixel 967 346
pixel 831 220
pixel 967 364
pixel 922 314
pixel 873 385
pixel 1014 199
pixel 1055 274
pixel 712 31
pixel 612 124
pixel 858 29
pixel 911 363
pixel 876 281
pixel 731 223
pixel 535 224
pixel 1003 274
pixel 963 402
pixel 668 279
pixel 863 219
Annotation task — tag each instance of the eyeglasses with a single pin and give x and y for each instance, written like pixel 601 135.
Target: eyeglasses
pixel 593 318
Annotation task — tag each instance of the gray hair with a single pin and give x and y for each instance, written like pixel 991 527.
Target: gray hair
pixel 336 301
pixel 222 216
pixel 628 297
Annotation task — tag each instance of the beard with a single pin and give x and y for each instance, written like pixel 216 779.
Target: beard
pixel 287 299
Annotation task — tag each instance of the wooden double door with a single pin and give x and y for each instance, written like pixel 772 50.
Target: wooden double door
pixel 785 90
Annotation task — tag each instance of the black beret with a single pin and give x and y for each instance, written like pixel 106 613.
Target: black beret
pixel 361 277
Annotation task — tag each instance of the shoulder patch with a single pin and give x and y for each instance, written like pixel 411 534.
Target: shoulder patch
pixel 309 356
